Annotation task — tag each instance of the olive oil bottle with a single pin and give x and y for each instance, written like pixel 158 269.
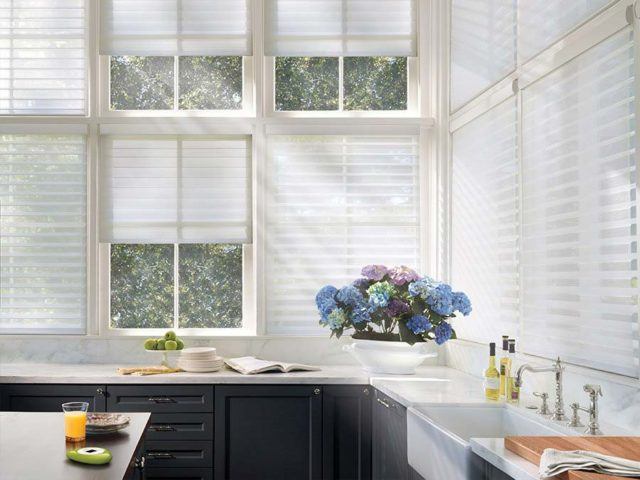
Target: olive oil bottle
pixel 492 376
pixel 505 366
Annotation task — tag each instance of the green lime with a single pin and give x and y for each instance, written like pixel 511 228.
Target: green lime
pixel 170 335
pixel 170 345
pixel 161 344
pixel 180 344
pixel 150 344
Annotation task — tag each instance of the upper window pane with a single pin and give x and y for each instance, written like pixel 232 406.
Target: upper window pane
pixel 141 286
pixel 307 83
pixel 210 83
pixel 375 83
pixel 142 83
pixel 42 57
pixel 210 291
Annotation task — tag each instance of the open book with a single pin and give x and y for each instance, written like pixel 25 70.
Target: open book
pixel 251 365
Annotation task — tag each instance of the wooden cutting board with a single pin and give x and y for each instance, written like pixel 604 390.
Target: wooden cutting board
pixel 531 448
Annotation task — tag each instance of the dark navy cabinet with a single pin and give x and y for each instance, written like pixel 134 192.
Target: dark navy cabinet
pixel 49 398
pixel 389 439
pixel 268 432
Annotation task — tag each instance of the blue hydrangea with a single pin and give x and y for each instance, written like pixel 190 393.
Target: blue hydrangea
pixel 443 333
pixel 337 319
pixel 360 314
pixel 350 296
pixel 419 324
pixel 461 303
pixel 440 299
pixel 325 300
pixel 379 294
pixel 422 287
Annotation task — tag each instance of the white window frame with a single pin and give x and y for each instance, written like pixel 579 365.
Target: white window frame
pixel 413 81
pixel 592 31
pixel 429 115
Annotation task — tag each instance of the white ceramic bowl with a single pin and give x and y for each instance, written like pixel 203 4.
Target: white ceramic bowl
pixel 394 358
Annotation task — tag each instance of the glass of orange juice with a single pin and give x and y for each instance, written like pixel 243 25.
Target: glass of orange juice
pixel 75 420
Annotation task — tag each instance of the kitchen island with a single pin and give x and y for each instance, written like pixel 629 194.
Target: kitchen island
pixel 32 447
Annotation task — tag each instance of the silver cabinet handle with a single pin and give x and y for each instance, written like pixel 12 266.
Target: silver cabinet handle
pixel 160 400
pixel 316 391
pixel 161 428
pixel 383 403
pixel 159 455
pixel 100 391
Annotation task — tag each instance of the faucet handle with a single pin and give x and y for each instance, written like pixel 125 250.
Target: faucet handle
pixel 544 408
pixel 593 390
pixel 575 418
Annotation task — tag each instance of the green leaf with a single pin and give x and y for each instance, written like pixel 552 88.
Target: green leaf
pixel 407 335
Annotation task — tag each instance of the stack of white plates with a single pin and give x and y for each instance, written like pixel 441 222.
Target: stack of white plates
pixel 104 423
pixel 200 359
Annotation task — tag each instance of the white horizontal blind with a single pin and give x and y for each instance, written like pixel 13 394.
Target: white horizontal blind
pixel 42 57
pixel 175 189
pixel 542 22
pixel 579 246
pixel 175 27
pixel 483 46
pixel 485 222
pixel 341 27
pixel 42 233
pixel 335 204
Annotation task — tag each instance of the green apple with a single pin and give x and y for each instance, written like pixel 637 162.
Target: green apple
pixel 170 345
pixel 170 335
pixel 161 344
pixel 180 344
pixel 150 344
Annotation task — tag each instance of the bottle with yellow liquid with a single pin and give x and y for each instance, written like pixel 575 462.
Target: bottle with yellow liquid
pixel 505 366
pixel 492 376
pixel 513 392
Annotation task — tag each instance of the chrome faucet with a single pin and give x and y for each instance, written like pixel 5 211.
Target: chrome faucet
pixel 593 428
pixel 556 368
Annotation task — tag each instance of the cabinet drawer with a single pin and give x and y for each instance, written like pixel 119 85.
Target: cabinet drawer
pixel 180 426
pixel 160 398
pixel 49 398
pixel 159 454
pixel 178 473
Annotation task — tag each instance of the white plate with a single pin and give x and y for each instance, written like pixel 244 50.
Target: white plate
pixel 198 351
pixel 201 369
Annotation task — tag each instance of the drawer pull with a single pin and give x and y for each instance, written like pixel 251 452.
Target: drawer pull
pixel 161 428
pixel 159 455
pixel 383 403
pixel 161 400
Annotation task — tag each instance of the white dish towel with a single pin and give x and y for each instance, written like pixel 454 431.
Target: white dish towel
pixel 554 462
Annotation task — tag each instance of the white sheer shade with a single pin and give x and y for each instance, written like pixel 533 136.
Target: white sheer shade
pixel 485 219
pixel 335 204
pixel 43 225
pixel 175 189
pixel 340 28
pixel 42 57
pixel 175 27
pixel 580 243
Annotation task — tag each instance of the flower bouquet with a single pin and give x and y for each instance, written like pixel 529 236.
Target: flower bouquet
pixel 392 304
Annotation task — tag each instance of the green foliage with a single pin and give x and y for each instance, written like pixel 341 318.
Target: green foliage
pixel 375 83
pixel 307 83
pixel 210 286
pixel 141 286
pixel 210 83
pixel 141 83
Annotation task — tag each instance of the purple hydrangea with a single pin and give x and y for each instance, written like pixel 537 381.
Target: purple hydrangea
pixel 419 324
pixel 461 303
pixel 397 307
pixel 374 272
pixel 440 299
pixel 361 283
pixel 401 275
pixel 443 333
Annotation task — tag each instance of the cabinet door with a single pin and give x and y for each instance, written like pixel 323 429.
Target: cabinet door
pixel 49 398
pixel 268 432
pixel 346 432
pixel 389 440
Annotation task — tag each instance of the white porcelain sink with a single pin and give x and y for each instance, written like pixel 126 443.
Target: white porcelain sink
pixel 438 436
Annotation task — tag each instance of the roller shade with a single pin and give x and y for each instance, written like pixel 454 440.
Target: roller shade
pixel 43 223
pixel 175 27
pixel 483 46
pixel 42 57
pixel 580 239
pixel 485 222
pixel 542 22
pixel 175 189
pixel 340 28
pixel 335 204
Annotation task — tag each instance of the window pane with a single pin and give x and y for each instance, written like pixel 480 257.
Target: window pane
pixel 307 83
pixel 210 83
pixel 375 83
pixel 210 286
pixel 141 286
pixel 141 83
